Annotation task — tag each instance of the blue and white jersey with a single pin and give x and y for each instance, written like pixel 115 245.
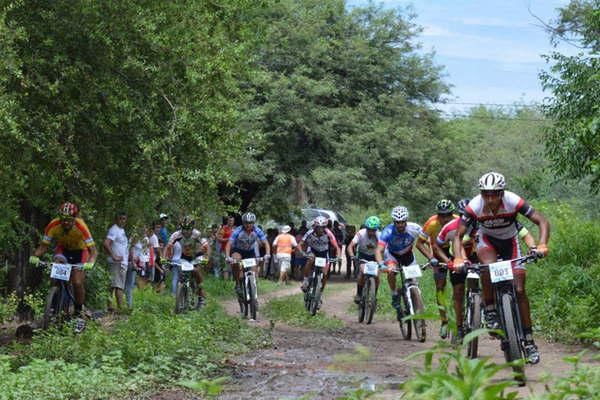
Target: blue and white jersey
pixel 241 239
pixel 400 242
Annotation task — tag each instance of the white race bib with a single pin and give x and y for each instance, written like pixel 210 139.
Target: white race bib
pixel 186 266
pixel 249 262
pixel 320 262
pixel 371 268
pixel 501 271
pixel 412 271
pixel 60 271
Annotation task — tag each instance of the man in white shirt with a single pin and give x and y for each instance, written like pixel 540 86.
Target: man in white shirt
pixel 116 245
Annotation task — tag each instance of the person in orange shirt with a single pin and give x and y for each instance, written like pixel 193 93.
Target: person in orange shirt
pixel 444 213
pixel 74 244
pixel 283 245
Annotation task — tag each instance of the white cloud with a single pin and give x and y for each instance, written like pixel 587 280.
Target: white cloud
pixel 492 22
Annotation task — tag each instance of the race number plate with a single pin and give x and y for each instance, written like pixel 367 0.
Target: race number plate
pixel 371 268
pixel 61 271
pixel 412 271
pixel 186 266
pixel 501 271
pixel 249 262
pixel 320 262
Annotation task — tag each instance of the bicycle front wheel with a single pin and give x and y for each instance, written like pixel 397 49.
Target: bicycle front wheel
pixel 316 298
pixel 253 300
pixel 405 326
pixel 181 299
pixel 511 347
pixel 370 299
pixel 420 325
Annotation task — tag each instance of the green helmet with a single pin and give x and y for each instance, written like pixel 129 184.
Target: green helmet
pixel 373 222
pixel 445 206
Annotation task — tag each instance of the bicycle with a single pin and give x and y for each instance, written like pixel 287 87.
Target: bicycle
pixel 60 298
pixel 248 296
pixel 505 299
pixel 368 300
pixel 185 298
pixel 312 297
pixel 412 301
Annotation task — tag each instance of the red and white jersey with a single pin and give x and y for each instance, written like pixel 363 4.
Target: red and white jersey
pixel 501 225
pixel 446 235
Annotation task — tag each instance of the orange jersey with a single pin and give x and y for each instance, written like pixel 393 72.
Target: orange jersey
pixel 433 227
pixel 78 238
pixel 285 242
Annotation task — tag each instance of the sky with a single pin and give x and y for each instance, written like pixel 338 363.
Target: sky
pixel 492 50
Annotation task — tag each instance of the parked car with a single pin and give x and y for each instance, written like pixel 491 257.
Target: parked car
pixel 311 213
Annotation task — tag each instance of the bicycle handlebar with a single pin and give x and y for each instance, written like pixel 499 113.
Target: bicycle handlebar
pixel 519 261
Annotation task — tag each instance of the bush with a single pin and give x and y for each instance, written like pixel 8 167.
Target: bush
pixel 564 289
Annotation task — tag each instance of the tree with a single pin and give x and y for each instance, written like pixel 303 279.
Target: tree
pixel 573 140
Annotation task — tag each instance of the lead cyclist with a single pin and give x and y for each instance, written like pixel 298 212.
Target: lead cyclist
pixel 496 210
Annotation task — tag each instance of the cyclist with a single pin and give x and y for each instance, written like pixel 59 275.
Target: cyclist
pixel 187 244
pixel 444 213
pixel 395 246
pixel 496 210
pixel 283 245
pixel 365 242
pixel 317 242
pixel 74 244
pixel 243 243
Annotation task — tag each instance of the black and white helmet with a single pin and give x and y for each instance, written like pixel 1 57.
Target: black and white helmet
pixel 249 218
pixel 320 221
pixel 492 181
pixel 462 205
pixel 400 214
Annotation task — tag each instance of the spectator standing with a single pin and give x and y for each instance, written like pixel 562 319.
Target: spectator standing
pixel 163 236
pixel 350 232
pixel 283 245
pixel 116 245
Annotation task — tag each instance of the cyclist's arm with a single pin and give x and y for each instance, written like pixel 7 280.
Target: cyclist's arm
pixel 42 248
pixel 543 224
pixel 379 253
pixel 93 254
pixel 168 251
pixel 425 250
pixel 267 247
pixel 439 253
pixel 457 244
pixel 350 249
pixel 108 247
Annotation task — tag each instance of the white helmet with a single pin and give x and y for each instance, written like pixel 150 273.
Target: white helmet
pixel 492 181
pixel 248 218
pixel 400 214
pixel 320 221
pixel 286 229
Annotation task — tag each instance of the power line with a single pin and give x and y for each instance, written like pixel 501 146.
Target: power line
pixel 489 104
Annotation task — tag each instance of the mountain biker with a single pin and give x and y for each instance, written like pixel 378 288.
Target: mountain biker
pixel 316 243
pixel 283 246
pixel 187 244
pixel 243 243
pixel 365 242
pixel 395 246
pixel 496 210
pixel 74 244
pixel 445 212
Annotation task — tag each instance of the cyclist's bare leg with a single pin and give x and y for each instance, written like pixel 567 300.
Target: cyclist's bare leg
pixel 197 274
pixel 487 255
pixel 309 266
pixel 522 299
pixel 458 292
pixel 235 267
pixel 391 276
pixel 325 274
pixel 440 287
pixel 77 280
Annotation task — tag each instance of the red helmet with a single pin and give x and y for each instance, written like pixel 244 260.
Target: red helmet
pixel 68 209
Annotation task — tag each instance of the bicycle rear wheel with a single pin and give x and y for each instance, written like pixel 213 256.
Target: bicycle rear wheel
pixel 370 299
pixel 419 308
pixel 473 322
pixel 511 346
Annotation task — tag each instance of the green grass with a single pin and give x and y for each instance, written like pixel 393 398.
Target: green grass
pixel 290 310
pixel 116 356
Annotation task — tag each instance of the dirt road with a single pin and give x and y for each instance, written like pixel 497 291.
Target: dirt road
pixel 320 365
